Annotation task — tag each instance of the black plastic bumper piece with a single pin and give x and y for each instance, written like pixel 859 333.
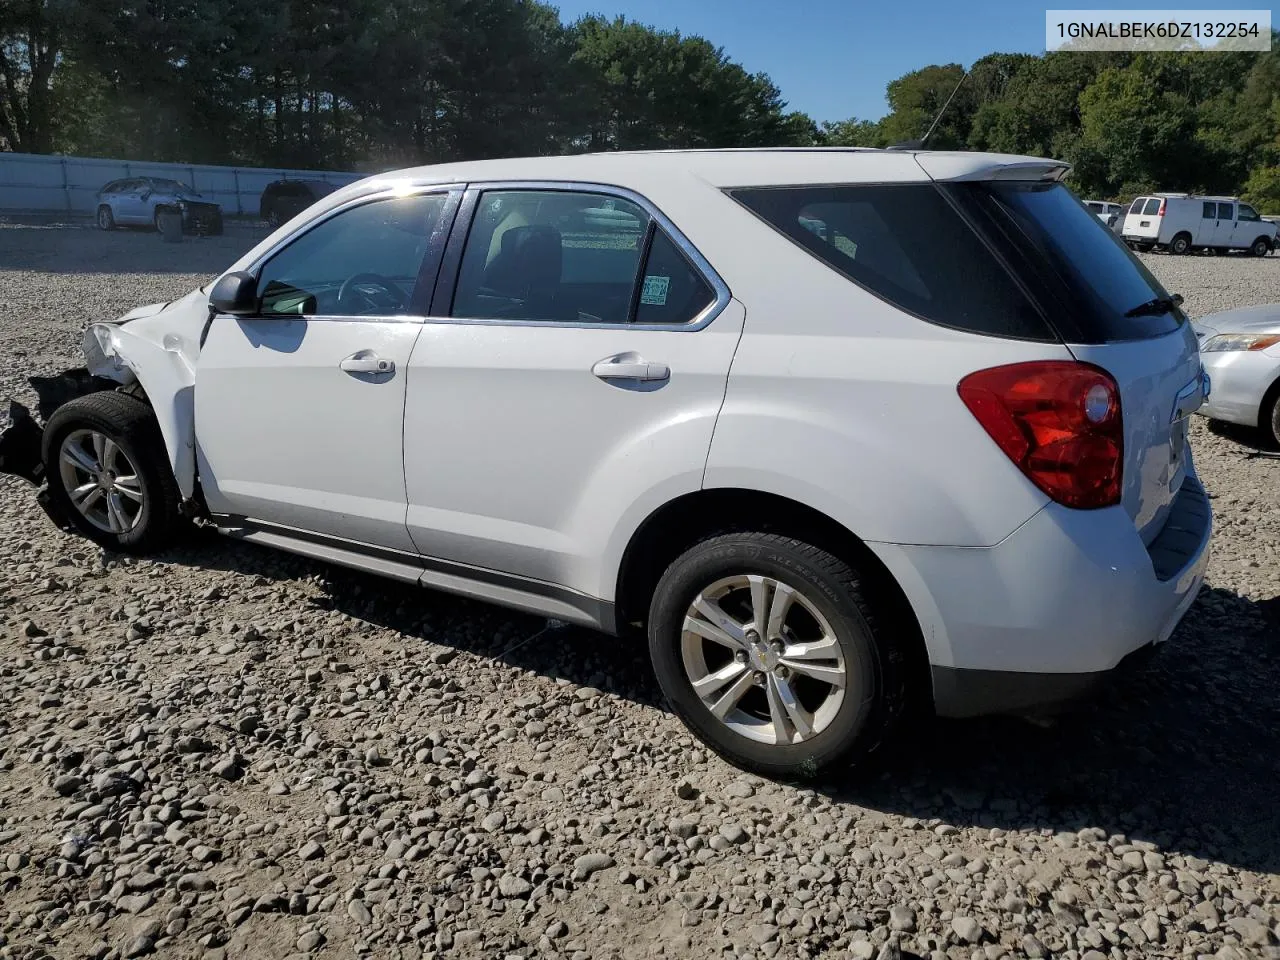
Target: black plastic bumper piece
pixel 974 693
pixel 20 453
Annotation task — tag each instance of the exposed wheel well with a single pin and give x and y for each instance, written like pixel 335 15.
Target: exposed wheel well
pixel 677 525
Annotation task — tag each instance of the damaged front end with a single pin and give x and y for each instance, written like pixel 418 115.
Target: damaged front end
pixel 150 353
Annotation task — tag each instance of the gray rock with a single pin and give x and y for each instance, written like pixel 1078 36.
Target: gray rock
pixel 358 912
pixel 967 929
pixel 734 833
pixel 512 885
pixel 311 850
pixel 309 941
pixel 135 902
pixel 903 918
pixel 228 769
pixel 67 784
pixel 590 863
pixel 1034 948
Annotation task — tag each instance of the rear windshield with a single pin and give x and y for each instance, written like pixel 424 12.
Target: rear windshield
pixel 1152 207
pixel 1080 273
pixel 908 245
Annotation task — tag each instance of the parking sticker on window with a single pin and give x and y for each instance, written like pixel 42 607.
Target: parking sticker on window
pixel 654 291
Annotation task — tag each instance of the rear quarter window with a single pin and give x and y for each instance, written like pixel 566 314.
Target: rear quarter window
pixel 908 245
pixel 1084 277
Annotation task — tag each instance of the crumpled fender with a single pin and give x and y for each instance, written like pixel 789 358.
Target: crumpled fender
pixel 166 371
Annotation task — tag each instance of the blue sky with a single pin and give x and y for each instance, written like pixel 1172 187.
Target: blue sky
pixel 832 58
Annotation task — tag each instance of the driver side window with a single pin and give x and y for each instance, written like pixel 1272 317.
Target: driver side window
pixel 363 262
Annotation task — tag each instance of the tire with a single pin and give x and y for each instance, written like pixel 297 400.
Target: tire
pixel 143 515
pixel 106 219
pixel 1269 417
pixel 844 723
pixel 273 218
pixel 1260 247
pixel 1180 244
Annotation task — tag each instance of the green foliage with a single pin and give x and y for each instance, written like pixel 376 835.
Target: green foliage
pixel 1262 189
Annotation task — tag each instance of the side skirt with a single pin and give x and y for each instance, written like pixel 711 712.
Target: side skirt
pixel 492 586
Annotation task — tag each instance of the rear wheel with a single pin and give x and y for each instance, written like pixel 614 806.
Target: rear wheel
pixel 109 474
pixel 106 220
pixel 1146 247
pixel 1260 247
pixel 1181 244
pixel 766 648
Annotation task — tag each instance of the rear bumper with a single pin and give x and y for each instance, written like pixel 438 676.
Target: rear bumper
pixel 973 693
pixel 1045 614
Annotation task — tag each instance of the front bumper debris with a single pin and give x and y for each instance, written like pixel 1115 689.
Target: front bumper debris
pixel 22 442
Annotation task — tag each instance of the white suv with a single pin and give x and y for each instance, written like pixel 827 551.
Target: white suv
pixel 837 428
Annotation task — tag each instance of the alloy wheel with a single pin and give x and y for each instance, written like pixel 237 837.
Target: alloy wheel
pixel 763 659
pixel 101 481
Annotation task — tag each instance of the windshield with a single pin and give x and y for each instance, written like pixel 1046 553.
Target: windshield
pixel 1084 276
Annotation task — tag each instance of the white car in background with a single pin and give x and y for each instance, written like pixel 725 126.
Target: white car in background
pixel 839 430
pixel 1183 223
pixel 1109 213
pixel 1241 353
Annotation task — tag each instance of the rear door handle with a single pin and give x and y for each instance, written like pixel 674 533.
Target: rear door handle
pixel 629 366
pixel 366 361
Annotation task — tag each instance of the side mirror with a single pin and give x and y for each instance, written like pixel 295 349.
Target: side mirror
pixel 235 294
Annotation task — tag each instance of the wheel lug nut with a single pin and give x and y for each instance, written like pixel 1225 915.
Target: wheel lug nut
pixel 776 647
pixel 741 656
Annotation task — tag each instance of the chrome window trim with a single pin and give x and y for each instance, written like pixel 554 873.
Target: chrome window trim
pixel 700 263
pixel 386 193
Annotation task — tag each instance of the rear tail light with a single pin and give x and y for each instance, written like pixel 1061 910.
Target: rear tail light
pixel 1163 204
pixel 1059 421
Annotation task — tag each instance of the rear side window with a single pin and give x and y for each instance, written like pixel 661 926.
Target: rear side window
pixel 1226 211
pixel 671 290
pixel 1210 211
pixel 1152 207
pixel 906 244
pixel 561 256
pixel 1081 273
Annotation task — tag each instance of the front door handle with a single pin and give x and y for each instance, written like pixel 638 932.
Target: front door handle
pixel 366 361
pixel 630 366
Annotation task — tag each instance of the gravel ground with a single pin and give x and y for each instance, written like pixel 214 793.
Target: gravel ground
pixel 230 752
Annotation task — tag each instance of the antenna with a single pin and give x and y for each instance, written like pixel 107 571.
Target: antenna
pixel 919 144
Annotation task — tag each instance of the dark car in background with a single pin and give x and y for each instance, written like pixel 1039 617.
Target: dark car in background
pixel 284 199
pixel 140 201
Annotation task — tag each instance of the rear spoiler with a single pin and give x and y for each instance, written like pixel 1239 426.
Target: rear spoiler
pixel 989 166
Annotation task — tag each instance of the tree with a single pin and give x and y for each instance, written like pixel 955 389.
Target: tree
pixel 31 35
pixel 1262 189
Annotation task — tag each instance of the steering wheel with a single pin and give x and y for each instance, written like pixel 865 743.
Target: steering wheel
pixel 356 283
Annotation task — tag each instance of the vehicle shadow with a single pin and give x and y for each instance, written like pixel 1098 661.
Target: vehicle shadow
pixel 1184 753
pixel 1257 443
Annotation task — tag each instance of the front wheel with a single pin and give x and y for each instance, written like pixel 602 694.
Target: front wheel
pixel 109 474
pixel 767 649
pixel 1261 247
pixel 106 220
